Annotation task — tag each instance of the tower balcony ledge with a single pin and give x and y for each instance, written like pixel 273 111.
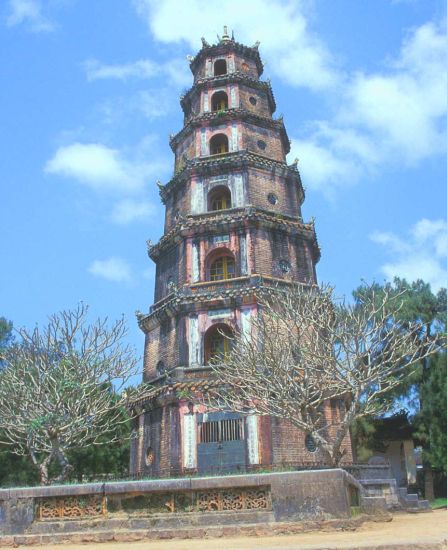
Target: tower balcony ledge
pixel 216 220
pixel 239 113
pixel 216 164
pixel 225 293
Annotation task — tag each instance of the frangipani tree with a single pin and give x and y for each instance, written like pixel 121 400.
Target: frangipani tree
pixel 61 388
pixel 306 348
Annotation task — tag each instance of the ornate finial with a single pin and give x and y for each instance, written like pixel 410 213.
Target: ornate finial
pixel 225 37
pixel 232 36
pixel 149 244
pixel 296 161
pixel 160 185
pixel 171 136
pixel 190 58
pixel 256 45
pixel 218 38
pixel 205 43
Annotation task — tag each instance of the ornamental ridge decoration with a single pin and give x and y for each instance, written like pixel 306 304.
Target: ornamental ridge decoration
pixel 75 507
pixel 218 500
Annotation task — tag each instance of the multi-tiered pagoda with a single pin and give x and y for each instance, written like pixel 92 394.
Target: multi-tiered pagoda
pixel 232 226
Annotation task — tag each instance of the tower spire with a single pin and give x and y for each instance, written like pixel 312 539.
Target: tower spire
pixel 225 36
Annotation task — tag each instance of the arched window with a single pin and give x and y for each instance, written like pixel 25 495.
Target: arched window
pixel 219 101
pixel 219 198
pixel 222 268
pixel 220 67
pixel 218 144
pixel 217 342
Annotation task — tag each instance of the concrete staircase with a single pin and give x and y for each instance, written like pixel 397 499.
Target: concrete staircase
pixel 411 501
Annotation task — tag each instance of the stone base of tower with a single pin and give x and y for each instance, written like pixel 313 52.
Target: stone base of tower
pixel 175 437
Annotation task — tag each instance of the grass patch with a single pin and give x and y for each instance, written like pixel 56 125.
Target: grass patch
pixel 438 503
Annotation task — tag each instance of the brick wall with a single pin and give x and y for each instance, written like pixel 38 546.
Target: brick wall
pixel 262 182
pixel 272 246
pixel 252 134
pixel 262 105
pixel 167 343
pixel 187 147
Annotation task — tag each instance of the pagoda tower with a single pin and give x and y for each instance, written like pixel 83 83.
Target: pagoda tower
pixel 232 226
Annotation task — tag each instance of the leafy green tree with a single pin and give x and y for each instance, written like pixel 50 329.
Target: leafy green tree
pixel 6 336
pixel 432 420
pixel 425 391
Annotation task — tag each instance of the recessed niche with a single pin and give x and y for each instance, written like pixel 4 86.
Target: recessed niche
pixel 253 100
pixel 310 444
pixel 262 144
pixel 284 266
pixel 149 456
pixel 272 198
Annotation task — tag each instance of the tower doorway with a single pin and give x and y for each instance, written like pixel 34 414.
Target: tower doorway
pixel 221 443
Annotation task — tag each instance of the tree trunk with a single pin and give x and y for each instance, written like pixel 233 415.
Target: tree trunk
pixel 43 471
pixel 64 464
pixel 429 491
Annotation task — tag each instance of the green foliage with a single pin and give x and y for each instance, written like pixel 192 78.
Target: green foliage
pixel 16 470
pixel 6 336
pixel 362 434
pixel 432 420
pixel 427 388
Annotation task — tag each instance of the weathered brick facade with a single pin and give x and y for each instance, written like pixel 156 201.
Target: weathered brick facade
pixel 233 225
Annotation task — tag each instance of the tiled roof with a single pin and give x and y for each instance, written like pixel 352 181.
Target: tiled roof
pixel 172 389
pixel 196 294
pixel 214 220
pixel 237 76
pixel 215 164
pixel 225 47
pixel 230 114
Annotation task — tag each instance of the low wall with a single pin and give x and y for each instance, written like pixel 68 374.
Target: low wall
pixel 270 497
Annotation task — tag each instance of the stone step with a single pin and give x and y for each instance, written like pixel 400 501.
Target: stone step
pixel 424 505
pixel 153 521
pixel 191 532
pixel 412 497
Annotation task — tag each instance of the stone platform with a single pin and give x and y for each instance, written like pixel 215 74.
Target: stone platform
pixel 173 504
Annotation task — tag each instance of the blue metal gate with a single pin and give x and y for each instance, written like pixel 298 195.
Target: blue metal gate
pixel 221 442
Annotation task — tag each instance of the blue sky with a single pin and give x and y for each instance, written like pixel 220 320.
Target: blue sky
pixel 89 96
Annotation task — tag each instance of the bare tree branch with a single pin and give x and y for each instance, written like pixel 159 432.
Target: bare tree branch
pixel 60 387
pixel 305 349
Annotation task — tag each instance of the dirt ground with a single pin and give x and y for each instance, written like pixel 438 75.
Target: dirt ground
pixel 427 530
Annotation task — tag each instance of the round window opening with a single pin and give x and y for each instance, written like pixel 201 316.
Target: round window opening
pixel 284 266
pixel 311 446
pixel 262 144
pixel 253 100
pixel 272 198
pixel 149 456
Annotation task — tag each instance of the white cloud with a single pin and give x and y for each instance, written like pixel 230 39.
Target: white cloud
pixel 152 104
pixel 104 169
pixel 293 51
pixel 28 12
pixel 175 70
pixel 113 269
pixel 129 210
pixel 142 69
pixel 396 116
pixel 422 255
pixel 321 165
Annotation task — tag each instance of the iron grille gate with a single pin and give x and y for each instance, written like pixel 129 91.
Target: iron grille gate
pixel 221 442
